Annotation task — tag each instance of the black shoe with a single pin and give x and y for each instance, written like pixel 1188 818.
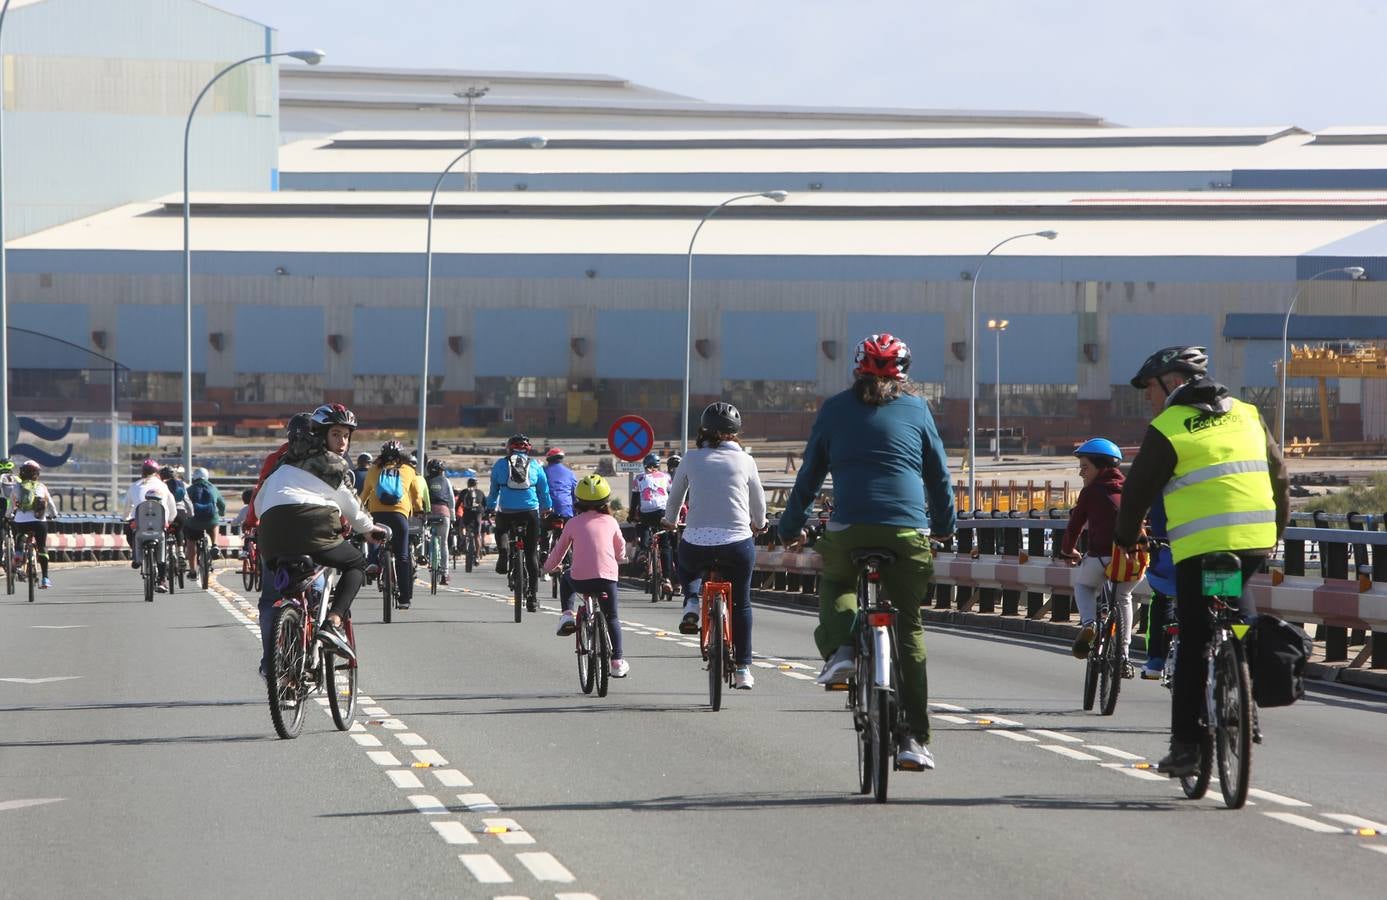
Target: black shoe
pixel 403 604
pixel 134 564
pixel 1182 760
pixel 689 624
pixel 531 605
pixel 337 642
pixel 500 566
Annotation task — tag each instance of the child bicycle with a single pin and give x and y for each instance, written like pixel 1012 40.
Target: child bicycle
pixel 1106 665
pixel 592 643
pixel 299 663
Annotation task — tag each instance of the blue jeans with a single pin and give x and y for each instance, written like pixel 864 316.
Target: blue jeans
pixel 399 544
pixel 734 563
pixel 605 591
pixel 269 596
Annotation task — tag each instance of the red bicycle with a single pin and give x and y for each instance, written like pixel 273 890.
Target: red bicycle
pixel 299 664
pixel 250 561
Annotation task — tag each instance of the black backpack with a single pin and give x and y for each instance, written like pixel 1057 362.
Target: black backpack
pixel 1277 654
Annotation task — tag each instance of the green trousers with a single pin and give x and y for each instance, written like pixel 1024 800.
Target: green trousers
pixel 906 582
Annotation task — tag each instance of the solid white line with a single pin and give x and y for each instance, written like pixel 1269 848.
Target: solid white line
pixel 1357 821
pixel 950 707
pixel 1055 736
pixel 1143 774
pixel 1069 752
pixel 594 896
pixel 410 739
pixel 428 804
pixel 484 868
pixel 21 804
pixel 513 834
pixel 404 778
pixel 953 720
pixel 432 757
pixel 1275 798
pixel 544 866
pixel 478 803
pixel 1303 822
pixel 452 778
pixel 798 676
pixel 383 758
pixel 366 740
pixel 1013 736
pixel 1113 751
pixel 454 832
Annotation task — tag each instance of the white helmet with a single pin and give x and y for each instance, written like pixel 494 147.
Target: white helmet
pixel 199 474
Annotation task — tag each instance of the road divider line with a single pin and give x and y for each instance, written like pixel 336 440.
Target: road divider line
pixel 432 757
pixel 1113 751
pixel 366 740
pixel 485 868
pixel 1013 736
pixel 478 803
pixel 544 866
pixel 1069 752
pixel 950 707
pixel 1357 822
pixel 454 832
pixel 428 804
pixel 383 758
pixel 1303 822
pixel 1056 736
pixel 403 778
pixel 508 831
pixel 1380 848
pixel 410 739
pixel 1279 799
pixel 996 720
pixel 953 720
pixel 1143 774
pixel 452 778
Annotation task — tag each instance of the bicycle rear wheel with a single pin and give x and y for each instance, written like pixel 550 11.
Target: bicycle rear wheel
pixel 717 654
pixel 1233 707
pixel 859 688
pixel 387 584
pixel 602 659
pixel 435 564
pixel 1110 664
pixel 341 683
pixel 150 575
pixel 286 679
pixel 10 568
pixel 181 565
pixel 1090 679
pixel 248 573
pixel 518 566
pixel 652 584
pixel 31 571
pixel 1196 785
pixel 882 756
pixel 204 563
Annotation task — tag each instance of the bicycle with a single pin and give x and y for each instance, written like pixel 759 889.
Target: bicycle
pixel 298 663
pixel 250 562
pixel 553 527
pixel 204 558
pixel 177 559
pixel 517 575
pixel 592 644
pixel 7 554
pixel 28 558
pixel 1103 671
pixel 388 579
pixel 436 549
pixel 469 547
pixel 715 635
pixel 655 574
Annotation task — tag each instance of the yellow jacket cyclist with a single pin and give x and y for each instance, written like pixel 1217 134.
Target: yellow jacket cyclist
pixel 391 495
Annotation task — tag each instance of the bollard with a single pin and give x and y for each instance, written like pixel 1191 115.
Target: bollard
pixel 1011 548
pixel 944 593
pixel 1035 546
pixel 962 593
pixel 1333 564
pixel 1357 636
pixel 1378 655
pixel 987 545
pixel 1059 601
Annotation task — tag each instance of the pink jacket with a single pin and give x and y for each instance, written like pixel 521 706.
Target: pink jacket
pixel 597 546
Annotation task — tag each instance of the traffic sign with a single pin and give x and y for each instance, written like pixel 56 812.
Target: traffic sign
pixel 630 468
pixel 631 438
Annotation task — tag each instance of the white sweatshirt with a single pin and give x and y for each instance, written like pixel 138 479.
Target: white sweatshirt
pixel 150 488
pixel 292 486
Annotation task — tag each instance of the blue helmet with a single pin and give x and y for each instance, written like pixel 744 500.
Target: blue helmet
pixel 1099 447
pixel 652 461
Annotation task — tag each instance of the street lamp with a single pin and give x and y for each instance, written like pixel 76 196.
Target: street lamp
pixel 312 57
pixel 998 326
pixel 973 363
pixel 471 95
pixel 1357 273
pixel 4 298
pixel 778 197
pixel 531 142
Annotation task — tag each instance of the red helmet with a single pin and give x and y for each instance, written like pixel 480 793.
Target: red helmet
pixel 883 356
pixel 555 453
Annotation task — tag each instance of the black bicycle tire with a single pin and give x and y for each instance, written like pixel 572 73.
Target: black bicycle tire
pixel 1232 668
pixel 1110 678
pixel 882 756
pixel 433 563
pixel 387 584
pixel 581 646
pixel 470 558
pixel 31 571
pixel 11 570
pixel 518 566
pixel 1197 785
pixel 204 562
pixel 1090 680
pixel 859 687
pixel 603 661
pixel 286 631
pixel 150 575
pixel 248 573
pixel 342 715
pixel 716 656
pixel 181 565
pixel 652 585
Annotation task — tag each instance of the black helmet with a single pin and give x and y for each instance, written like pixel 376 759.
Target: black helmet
pixel 330 414
pixel 519 442
pixel 720 418
pixel 414 460
pixel 434 466
pixel 247 495
pixel 1188 361
pixel 166 473
pixel 363 459
pixel 392 452
pixel 300 426
pixel 471 482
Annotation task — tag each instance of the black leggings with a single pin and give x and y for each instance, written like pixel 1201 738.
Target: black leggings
pixel 525 523
pixel 40 532
pixel 351 564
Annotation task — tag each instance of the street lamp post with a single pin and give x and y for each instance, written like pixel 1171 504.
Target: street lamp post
pixel 532 142
pixel 778 197
pixel 973 364
pixel 1357 273
pixel 997 326
pixel 312 57
pixel 471 95
pixel 4 274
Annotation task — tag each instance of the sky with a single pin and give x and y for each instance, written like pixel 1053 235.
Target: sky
pixel 1156 63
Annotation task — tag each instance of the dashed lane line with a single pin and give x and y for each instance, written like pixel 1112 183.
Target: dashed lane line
pixel 1056 736
pixel 1013 736
pixel 1142 774
pixel 1279 799
pixel 428 805
pixel 404 778
pixel 1357 822
pixel 454 832
pixel 485 868
pixel 1303 822
pixel 544 867
pixel 1114 752
pixel 1069 752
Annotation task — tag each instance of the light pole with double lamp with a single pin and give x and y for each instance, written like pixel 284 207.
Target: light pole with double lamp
pixel 4 296
pixel 1357 273
pixel 973 364
pixel 778 197
pixel 531 142
pixel 312 57
pixel 997 326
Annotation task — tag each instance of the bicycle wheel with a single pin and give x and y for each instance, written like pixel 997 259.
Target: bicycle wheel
pixel 204 562
pixel 434 566
pixel 1110 664
pixel 518 566
pixel 583 648
pixel 341 684
pixel 248 573
pixel 1197 784
pixel 883 754
pixel 602 658
pixel 859 689
pixel 10 568
pixel 387 584
pixel 258 575
pixel 31 570
pixel 1233 707
pixel 470 558
pixel 717 655
pixel 286 679
pixel 179 570
pixel 1090 679
pixel 652 584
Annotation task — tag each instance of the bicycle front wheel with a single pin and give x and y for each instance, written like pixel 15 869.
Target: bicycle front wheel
pixel 1233 736
pixel 286 677
pixel 248 573
pixel 149 574
pixel 859 689
pixel 583 647
pixel 1196 785
pixel 717 655
pixel 10 567
pixel 387 584
pixel 1110 665
pixel 204 564
pixel 31 572
pixel 603 657
pixel 883 755
pixel 518 565
pixel 341 685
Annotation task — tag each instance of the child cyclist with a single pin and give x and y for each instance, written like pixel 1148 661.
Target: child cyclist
pixel 1096 510
pixel 595 538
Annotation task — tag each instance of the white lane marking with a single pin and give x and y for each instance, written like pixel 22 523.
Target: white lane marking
pixel 404 778
pixel 1013 736
pixel 392 724
pixel 362 698
pixel 485 868
pixel 953 720
pixel 1113 751
pixel 665 637
pixel 798 676
pixel 323 701
pixel 375 711
pixel 410 739
pixel 763 665
pixel 452 778
pixel 428 804
pixel 1069 752
pixel 594 896
pixel 45 680
pixel 454 833
pixel 383 758
pixel 1279 799
pixel 1056 736
pixel 366 740
pixel 1303 822
pixel 1378 847
pixel 354 728
pixel 478 803
pixel 950 707
pixel 57 627
pixel 1356 821
pixel 544 866
pixel 21 804
pixel 432 757
pixel 1143 774
pixel 993 720
pixel 512 833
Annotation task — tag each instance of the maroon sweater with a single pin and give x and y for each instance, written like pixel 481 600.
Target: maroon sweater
pixel 1096 508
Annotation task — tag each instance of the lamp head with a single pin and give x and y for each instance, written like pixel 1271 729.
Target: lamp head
pixel 1357 273
pixel 1047 234
pixel 777 196
pixel 534 142
pixel 312 57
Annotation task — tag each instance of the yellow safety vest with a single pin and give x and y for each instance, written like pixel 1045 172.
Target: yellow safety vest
pixel 1220 495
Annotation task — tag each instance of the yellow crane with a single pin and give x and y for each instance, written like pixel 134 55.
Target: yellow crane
pixel 1357 360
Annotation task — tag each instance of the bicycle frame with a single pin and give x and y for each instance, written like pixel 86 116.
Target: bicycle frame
pixel 719 592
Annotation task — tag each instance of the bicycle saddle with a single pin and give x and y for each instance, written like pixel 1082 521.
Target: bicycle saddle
pixel 293 573
pixel 1221 562
pixel 883 556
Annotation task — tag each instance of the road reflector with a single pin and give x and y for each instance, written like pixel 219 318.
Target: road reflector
pixel 839 686
pixel 498 829
pixel 423 765
pixel 984 721
pixel 1141 765
pixel 1366 832
pixel 784 668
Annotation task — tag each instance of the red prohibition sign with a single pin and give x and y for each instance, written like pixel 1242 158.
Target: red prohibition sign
pixel 631 438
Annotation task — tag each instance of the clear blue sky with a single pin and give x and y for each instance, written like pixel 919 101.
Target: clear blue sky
pixel 1312 63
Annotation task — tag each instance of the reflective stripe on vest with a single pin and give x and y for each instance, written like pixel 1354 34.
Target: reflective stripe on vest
pixel 1220 497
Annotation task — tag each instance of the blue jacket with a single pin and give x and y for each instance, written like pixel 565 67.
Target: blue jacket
pixel 562 481
pixel 884 460
pixel 508 499
pixel 1160 574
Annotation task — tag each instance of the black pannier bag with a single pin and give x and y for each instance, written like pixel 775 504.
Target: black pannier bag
pixel 1278 652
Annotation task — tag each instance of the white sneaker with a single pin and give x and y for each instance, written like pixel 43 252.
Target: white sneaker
pixel 620 668
pixel 546 577
pixel 742 679
pixel 913 756
pixel 566 624
pixel 839 666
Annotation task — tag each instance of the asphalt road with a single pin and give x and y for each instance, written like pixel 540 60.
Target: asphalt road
pixel 137 759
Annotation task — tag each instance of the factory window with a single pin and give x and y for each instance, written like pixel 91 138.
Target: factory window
pixel 394 390
pixel 1301 402
pixel 771 396
pixel 639 393
pixel 528 391
pixel 279 388
pixel 1129 403
pixel 163 387
pixel 1032 400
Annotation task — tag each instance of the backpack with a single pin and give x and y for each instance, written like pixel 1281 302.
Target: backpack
pixel 518 477
pixel 436 491
pixel 179 491
pixel 1277 653
pixel 28 497
pixel 204 504
pixel 390 490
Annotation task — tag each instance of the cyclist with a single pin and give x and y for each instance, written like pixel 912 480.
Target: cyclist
pixel 208 510
pixel 297 432
pixel 562 481
pixel 672 463
pixel 301 507
pixel 7 481
pixel 440 500
pixel 149 487
pixel 1224 488
pixel 247 534
pixel 598 548
pixel 391 495
pixel 1160 577
pixel 183 507
pixel 469 506
pixel 649 497
pixel 519 495
pixel 416 522
pixel 363 463
pixel 31 506
pixel 891 487
pixel 730 510
pixel 1096 509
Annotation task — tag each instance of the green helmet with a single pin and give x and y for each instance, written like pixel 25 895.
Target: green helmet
pixel 6 465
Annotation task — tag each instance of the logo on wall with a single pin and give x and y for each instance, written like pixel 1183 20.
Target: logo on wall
pixel 44 433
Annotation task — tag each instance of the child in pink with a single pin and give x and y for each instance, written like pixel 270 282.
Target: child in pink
pixel 595 538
